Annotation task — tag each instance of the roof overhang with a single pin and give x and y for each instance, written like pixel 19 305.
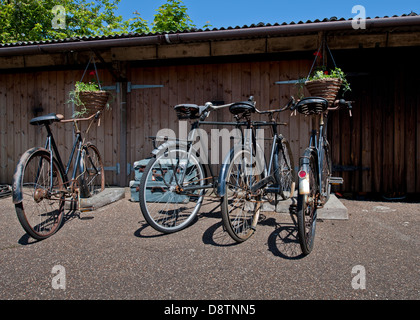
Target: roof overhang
pixel 383 32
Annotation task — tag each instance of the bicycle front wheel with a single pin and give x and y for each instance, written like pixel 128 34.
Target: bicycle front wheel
pixel 285 171
pixel 170 191
pixel 42 186
pixel 307 208
pixel 240 206
pixel 93 177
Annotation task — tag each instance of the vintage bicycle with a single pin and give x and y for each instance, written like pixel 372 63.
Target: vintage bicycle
pixel 41 185
pixel 315 168
pixel 245 182
pixel 175 180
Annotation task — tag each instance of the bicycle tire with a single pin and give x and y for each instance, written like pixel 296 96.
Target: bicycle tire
pixel 326 172
pixel 285 174
pixel 307 209
pixel 240 209
pixel 163 207
pixel 92 180
pixel 40 212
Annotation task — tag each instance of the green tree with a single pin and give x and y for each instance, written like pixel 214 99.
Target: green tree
pixel 32 20
pixel 172 16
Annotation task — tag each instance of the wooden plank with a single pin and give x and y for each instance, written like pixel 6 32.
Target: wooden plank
pixel 355 151
pixel 388 140
pixel 134 53
pixel 236 84
pixel 357 41
pixel 17 110
pixel 418 145
pixel 25 112
pixel 184 50
pixel 399 137
pixel 295 43
pixel 245 90
pixel 410 113
pixel 378 118
pixel 274 95
pixel 238 47
pixel 365 105
pixel 11 154
pixel 3 130
pixel 12 62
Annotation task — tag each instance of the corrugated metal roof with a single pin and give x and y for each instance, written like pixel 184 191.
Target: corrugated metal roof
pixel 195 30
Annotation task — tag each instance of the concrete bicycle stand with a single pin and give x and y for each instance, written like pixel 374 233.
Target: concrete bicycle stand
pixel 108 196
pixel 333 209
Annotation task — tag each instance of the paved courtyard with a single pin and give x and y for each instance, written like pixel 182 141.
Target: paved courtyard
pixel 112 253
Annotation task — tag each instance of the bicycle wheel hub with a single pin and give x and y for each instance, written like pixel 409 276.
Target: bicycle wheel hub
pixel 40 194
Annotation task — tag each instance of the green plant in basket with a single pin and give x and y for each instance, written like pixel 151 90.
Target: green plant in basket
pixel 88 96
pixel 336 73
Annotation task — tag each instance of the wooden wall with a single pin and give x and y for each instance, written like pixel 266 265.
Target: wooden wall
pixel 380 144
pixel 152 109
pixel 377 150
pixel 24 96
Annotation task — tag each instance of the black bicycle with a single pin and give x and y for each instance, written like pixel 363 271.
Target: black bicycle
pixel 315 168
pixel 176 178
pixel 41 185
pixel 245 180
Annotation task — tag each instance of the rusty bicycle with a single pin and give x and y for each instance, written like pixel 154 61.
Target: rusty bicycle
pixel 41 185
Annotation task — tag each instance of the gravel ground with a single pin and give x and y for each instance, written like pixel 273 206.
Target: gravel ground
pixel 113 254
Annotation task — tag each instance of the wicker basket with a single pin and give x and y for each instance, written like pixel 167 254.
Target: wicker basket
pixel 324 88
pixel 92 101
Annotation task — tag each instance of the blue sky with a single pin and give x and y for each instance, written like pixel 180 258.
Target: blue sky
pixel 226 13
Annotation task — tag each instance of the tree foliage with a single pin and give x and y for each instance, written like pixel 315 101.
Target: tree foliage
pixel 172 16
pixel 32 20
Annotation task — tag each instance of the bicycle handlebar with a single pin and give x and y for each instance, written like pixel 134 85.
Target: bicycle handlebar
pixel 342 103
pixel 288 106
pixel 95 115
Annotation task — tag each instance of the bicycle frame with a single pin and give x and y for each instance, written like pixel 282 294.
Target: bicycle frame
pixel 195 126
pixel 51 146
pixel 269 176
pixel 316 143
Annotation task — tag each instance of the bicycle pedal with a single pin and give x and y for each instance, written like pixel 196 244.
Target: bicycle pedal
pixel 336 180
pixel 274 188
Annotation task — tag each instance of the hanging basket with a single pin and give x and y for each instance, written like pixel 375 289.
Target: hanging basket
pixel 324 88
pixel 93 101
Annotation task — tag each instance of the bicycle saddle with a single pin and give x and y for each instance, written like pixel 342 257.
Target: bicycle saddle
pixel 312 105
pixel 242 107
pixel 188 111
pixel 46 119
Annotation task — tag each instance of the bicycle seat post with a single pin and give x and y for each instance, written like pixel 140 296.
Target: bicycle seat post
pixel 76 127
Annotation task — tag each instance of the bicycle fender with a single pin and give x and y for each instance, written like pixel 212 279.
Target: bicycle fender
pixel 18 174
pixel 304 165
pixel 221 187
pixel 169 145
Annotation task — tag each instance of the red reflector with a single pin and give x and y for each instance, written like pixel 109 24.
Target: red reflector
pixel 302 174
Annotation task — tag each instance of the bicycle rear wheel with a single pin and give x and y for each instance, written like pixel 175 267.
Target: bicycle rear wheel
pixel 163 202
pixel 93 179
pixel 307 208
pixel 240 207
pixel 41 210
pixel 326 173
pixel 285 171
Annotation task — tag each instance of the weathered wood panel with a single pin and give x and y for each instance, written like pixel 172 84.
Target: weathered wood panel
pixel 377 150
pixel 24 96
